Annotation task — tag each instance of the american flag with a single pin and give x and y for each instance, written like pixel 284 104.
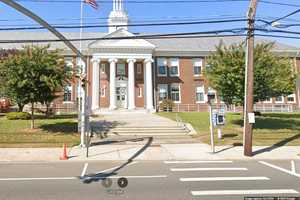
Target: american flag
pixel 92 3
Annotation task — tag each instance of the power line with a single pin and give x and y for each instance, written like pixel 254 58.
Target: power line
pixel 217 33
pixel 137 2
pixel 132 25
pixel 278 3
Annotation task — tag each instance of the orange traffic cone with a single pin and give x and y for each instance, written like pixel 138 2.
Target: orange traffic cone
pixel 64 155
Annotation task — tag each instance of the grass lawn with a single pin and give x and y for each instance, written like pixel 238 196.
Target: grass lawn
pixel 52 132
pixel 276 129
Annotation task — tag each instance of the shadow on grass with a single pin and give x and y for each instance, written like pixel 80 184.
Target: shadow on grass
pixel 67 116
pixel 62 127
pixel 282 115
pixel 272 123
pixel 278 144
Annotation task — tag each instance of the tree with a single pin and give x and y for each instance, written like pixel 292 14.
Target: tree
pixel 33 75
pixel 273 75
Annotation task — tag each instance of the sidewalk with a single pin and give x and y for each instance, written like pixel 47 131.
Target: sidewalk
pixel 136 152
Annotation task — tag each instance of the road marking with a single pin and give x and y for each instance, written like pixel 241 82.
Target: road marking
pixel 38 179
pixel 76 178
pixel 209 169
pixel 197 161
pixel 116 167
pixel 84 169
pixel 243 192
pixel 293 166
pixel 224 179
pixel 280 169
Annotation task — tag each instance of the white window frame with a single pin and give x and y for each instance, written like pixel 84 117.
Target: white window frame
pixel 103 92
pixel 118 69
pixel 212 91
pixel 162 62
pixel 282 97
pixel 103 68
pixel 70 88
pixel 139 68
pixel 165 86
pixel 270 101
pixel 203 93
pixel 140 92
pixel 197 60
pixel 179 90
pixel 174 60
pixel 291 95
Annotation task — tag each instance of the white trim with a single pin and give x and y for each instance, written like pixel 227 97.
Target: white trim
pixel 164 86
pixel 280 101
pixel 271 101
pixel 177 60
pixel 203 94
pixel 164 63
pixel 179 88
pixel 103 94
pixel 291 95
pixel 140 92
pixel 195 60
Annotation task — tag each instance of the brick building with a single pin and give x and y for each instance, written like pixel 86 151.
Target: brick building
pixel 140 73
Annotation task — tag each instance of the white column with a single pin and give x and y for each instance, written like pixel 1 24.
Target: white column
pixel 112 84
pixel 149 84
pixel 131 84
pixel 96 84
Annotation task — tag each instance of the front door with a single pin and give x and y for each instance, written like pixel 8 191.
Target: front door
pixel 121 93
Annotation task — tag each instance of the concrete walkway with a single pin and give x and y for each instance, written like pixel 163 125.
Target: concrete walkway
pixel 133 119
pixel 144 152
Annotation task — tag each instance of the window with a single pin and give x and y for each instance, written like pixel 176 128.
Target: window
pixel 268 100
pixel 139 68
pixel 279 99
pixel 121 69
pixel 68 93
pixel 174 68
pixel 140 92
pixel 291 98
pixel 103 68
pixel 162 67
pixel 163 91
pixel 200 94
pixel 102 92
pixel 197 67
pixel 175 93
pixel 212 94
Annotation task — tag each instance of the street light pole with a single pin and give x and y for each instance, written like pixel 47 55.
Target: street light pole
pixel 249 76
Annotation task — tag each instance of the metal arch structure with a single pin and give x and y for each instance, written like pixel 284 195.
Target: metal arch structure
pixel 42 22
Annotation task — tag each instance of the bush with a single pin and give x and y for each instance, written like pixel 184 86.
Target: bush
pixel 18 115
pixel 166 105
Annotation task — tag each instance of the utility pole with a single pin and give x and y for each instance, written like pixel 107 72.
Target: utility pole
pixel 249 77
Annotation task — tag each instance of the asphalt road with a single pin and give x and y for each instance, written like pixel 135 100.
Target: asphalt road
pixel 149 180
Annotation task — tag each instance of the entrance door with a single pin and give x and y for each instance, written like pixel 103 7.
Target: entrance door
pixel 121 93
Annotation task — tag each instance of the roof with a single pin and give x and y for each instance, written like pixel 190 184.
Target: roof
pixel 199 45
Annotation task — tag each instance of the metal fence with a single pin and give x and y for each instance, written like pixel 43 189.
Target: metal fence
pixel 54 108
pixel 231 108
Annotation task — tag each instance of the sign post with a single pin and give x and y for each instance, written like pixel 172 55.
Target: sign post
pixel 211 128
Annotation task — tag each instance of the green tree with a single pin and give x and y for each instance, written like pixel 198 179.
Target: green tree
pixel 34 74
pixel 273 75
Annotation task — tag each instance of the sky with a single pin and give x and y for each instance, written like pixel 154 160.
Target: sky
pixel 69 14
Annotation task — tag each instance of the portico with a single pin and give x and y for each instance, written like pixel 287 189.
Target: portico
pixel 129 62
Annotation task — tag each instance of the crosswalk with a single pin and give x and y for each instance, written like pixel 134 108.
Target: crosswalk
pixel 227 178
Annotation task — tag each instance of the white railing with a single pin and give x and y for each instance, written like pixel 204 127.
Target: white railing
pixel 274 108
pixel 232 108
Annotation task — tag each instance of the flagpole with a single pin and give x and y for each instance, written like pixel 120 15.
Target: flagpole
pixel 81 89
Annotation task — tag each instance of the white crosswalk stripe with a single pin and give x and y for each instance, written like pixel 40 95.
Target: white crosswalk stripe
pixel 224 179
pixel 243 192
pixel 203 167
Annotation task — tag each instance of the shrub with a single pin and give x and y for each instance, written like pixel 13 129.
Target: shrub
pixel 166 104
pixel 18 115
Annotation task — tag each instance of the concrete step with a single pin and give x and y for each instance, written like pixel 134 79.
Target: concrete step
pixel 157 140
